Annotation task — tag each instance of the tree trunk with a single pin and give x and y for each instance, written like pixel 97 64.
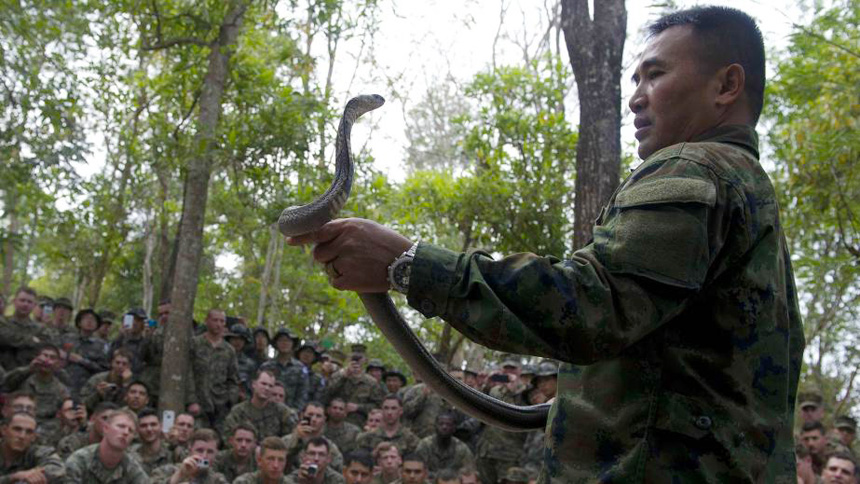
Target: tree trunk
pixel 9 242
pixel 148 289
pixel 595 48
pixel 267 272
pixel 190 248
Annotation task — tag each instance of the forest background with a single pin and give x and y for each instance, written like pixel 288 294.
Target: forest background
pixel 106 121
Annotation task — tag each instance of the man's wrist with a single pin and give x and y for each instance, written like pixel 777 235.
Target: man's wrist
pixel 400 270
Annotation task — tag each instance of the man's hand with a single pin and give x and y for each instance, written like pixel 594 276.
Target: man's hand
pixel 32 476
pixel 194 409
pixel 304 429
pixel 186 470
pixel 357 252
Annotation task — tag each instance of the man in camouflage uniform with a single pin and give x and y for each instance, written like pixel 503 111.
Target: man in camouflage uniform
pixel 109 386
pixel 391 430
pixel 337 429
pixel 268 417
pixel 132 340
pixel 421 406
pixel 443 450
pixel 395 382
pixel 681 315
pixel 152 451
pixel 271 462
pixel 240 458
pixel 86 352
pixel 197 467
pixel 358 389
pixel 846 429
pixel 288 370
pixel 499 449
pixel 20 336
pixel 260 352
pixel 93 434
pixel 71 418
pixel 376 369
pixel 40 379
pixel 21 460
pixel 62 314
pixel 308 355
pixel 811 406
pixel 216 370
pixel 310 427
pixel 108 462
pixel 315 453
pixel 239 338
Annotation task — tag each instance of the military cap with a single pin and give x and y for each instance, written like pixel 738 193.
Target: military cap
pixel 511 362
pixel 258 330
pixel 63 302
pixel 375 363
pixel 284 331
pixel 807 399
pixel 470 371
pixel 336 356
pixel 45 300
pixel 846 422
pixel 515 475
pixel 309 345
pixel 547 368
pixel 239 331
pixel 358 348
pixel 137 313
pixel 395 372
pixel 84 312
pixel 529 369
pixel 107 317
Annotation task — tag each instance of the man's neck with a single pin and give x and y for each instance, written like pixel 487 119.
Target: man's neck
pixel 391 429
pixel 284 357
pixel 44 377
pixel 213 339
pixel 443 442
pixel 258 402
pixel 21 317
pixel 9 455
pixel 108 456
pixel 241 460
pixel 152 447
pixel 334 423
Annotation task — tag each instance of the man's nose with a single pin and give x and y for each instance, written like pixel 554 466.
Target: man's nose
pixel 637 101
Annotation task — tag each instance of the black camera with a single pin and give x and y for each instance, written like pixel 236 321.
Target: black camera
pixel 312 469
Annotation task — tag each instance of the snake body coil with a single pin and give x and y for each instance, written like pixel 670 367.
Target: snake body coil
pixel 307 218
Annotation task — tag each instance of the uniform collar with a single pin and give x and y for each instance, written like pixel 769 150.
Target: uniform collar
pixel 741 135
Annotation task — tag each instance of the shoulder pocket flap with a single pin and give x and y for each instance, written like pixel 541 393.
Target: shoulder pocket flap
pixel 668 190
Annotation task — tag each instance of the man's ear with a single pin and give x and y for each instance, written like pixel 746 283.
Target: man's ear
pixel 732 80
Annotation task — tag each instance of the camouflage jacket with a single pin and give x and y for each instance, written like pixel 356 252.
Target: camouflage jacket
pixel 134 344
pixel 275 419
pixel 455 456
pixel 681 315
pixel 316 386
pixel 149 461
pixel 94 354
pixel 361 390
pixel 216 373
pixel 296 444
pixel 85 467
pixel 404 439
pixel 49 393
pixel 91 396
pixel 255 478
pixel 227 464
pixel 163 474
pixel 420 409
pixel 73 442
pixel 19 340
pixel 35 456
pixel 495 443
pixel 294 376
pixel 343 435
pixel 246 367
pixel 330 477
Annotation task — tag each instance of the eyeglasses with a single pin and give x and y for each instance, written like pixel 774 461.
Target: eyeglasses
pixel 24 408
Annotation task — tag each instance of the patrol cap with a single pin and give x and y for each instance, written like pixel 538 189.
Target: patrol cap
pixel 284 331
pixel 810 399
pixel 375 363
pixel 63 302
pixel 529 370
pixel 547 368
pixel 395 372
pixel 846 422
pixel 239 331
pixel 515 475
pixel 511 362
pixel 84 312
pixel 137 313
pixel 107 317
pixel 358 348
pixel 45 300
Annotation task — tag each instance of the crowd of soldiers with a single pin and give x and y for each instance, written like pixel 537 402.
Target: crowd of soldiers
pixel 827 448
pixel 80 393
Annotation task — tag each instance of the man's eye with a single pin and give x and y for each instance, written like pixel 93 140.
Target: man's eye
pixel 654 74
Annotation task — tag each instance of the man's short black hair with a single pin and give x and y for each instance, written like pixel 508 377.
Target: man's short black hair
pixel 810 426
pixel 318 442
pixel 147 412
pixel 726 36
pixel 842 455
pixel 446 475
pixel 361 456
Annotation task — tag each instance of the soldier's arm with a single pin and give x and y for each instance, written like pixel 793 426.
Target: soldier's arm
pixel 233 379
pixel 51 464
pixel 413 402
pixel 652 252
pixel 376 397
pixel 89 395
pixel 289 418
pixel 16 378
pixel 335 386
pixel 301 396
pixel 76 468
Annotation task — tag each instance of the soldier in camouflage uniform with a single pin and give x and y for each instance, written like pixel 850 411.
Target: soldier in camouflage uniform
pixel 216 370
pixel 358 389
pixel 239 338
pixel 268 417
pixel 499 449
pixel 132 340
pixel 261 341
pixel 240 458
pixel 376 369
pixel 310 427
pixel 316 452
pixel 337 429
pixel 681 315
pixel 395 382
pixel 421 406
pixel 71 418
pixel 196 467
pixel 109 386
pixel 20 336
pixel 59 325
pixel 29 461
pixel 443 450
pixel 91 435
pixel 308 355
pixel 272 461
pixel 40 379
pixel 288 370
pixel 86 352
pixel 391 430
pixel 846 430
pixel 108 462
pixel 152 451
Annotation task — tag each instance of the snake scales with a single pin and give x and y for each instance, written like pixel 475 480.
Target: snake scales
pixel 307 218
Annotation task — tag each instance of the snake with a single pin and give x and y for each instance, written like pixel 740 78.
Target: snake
pixel 300 220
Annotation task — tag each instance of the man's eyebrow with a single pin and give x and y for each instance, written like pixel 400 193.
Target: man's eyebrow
pixel 646 64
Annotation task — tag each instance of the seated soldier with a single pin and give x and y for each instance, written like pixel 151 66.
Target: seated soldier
pixel 413 471
pixel 388 461
pixel 240 458
pixel 87 355
pixel 92 435
pixel 805 474
pixel 109 386
pixel 310 427
pixel 21 460
pixel 314 468
pixel 20 336
pixel 839 468
pixel 179 436
pixel 446 476
pixel 374 420
pixel 391 429
pixel 337 429
pixel 268 417
pixel 358 467
pixel 443 450
pixel 197 467
pixel 108 461
pixel 469 475
pixel 812 436
pixel 152 451
pixel 71 418
pixel 21 401
pixel 271 462
pixel 136 396
pixel 279 393
pixel 40 379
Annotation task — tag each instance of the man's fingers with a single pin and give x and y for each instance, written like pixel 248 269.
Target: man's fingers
pixel 324 234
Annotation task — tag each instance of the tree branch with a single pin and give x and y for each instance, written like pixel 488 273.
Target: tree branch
pixel 824 39
pixel 176 41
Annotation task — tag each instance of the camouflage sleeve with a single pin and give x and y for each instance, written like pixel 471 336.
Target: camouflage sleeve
pixel 289 419
pixel 51 464
pixel 163 474
pixel 413 402
pixel 376 397
pixel 233 379
pixel 134 473
pixel 652 251
pixel 76 467
pixel 331 390
pixel 89 395
pixel 16 378
pixel 301 396
pixel 12 336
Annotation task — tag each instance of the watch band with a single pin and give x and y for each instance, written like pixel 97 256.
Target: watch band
pixel 400 269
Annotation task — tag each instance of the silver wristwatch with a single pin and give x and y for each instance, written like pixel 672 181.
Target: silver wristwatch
pixel 400 270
